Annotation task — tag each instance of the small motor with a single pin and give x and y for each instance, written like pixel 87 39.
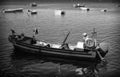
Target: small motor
pixel 103 48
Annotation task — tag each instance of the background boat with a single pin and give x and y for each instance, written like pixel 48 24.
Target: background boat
pixel 13 10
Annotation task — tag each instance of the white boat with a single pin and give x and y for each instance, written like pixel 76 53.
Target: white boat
pixel 33 12
pixel 78 5
pixel 13 10
pixel 34 4
pixel 84 9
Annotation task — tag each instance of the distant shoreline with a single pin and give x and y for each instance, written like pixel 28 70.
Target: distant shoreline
pixel 42 2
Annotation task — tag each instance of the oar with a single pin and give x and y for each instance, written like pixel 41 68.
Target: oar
pixel 65 38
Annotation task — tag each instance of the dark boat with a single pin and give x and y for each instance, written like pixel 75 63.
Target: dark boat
pixel 27 44
pixel 13 10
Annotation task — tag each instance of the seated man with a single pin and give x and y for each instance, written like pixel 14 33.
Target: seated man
pixel 33 41
pixel 20 37
pixel 85 37
pixel 13 32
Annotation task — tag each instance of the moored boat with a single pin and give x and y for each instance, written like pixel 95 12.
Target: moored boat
pixel 27 44
pixel 13 10
pixel 34 4
pixel 78 5
pixel 33 12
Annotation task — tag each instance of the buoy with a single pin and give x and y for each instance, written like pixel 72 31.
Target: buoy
pixel 29 10
pixel 62 13
pixel 104 10
pixel 59 12
pixel 88 9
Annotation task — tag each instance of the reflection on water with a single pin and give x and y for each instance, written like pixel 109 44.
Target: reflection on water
pixel 36 65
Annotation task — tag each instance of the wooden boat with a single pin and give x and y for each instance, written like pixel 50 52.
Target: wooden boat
pixel 13 10
pixel 84 9
pixel 27 44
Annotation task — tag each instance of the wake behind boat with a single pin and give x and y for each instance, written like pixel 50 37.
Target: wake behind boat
pixel 85 51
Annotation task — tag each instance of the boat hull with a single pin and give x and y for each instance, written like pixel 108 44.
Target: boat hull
pixel 56 53
pixel 13 10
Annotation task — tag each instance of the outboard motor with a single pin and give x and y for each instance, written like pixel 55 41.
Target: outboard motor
pixel 103 48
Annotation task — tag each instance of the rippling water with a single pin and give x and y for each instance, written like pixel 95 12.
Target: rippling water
pixel 53 28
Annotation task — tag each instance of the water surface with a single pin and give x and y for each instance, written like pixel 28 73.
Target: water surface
pixel 53 28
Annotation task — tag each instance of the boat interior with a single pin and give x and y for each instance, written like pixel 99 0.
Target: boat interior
pixel 33 41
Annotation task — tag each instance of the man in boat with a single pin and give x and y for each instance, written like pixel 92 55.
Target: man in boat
pixel 13 32
pixel 21 37
pixel 33 41
pixel 17 37
pixel 85 37
pixel 35 31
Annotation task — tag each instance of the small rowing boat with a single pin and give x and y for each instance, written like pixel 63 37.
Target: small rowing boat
pixel 78 5
pixel 13 10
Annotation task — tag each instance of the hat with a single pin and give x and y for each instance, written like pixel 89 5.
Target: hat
pixel 84 34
